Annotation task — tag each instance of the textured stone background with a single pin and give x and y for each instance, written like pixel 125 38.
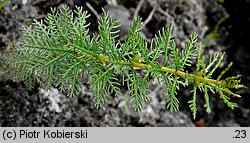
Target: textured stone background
pixel 20 107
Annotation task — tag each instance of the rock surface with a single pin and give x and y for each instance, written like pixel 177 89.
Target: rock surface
pixel 40 107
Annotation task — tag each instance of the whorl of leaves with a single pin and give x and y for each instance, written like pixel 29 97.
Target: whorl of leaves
pixel 59 51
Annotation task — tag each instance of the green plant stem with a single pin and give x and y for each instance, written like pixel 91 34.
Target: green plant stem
pixel 60 50
pixel 105 59
pixel 178 73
